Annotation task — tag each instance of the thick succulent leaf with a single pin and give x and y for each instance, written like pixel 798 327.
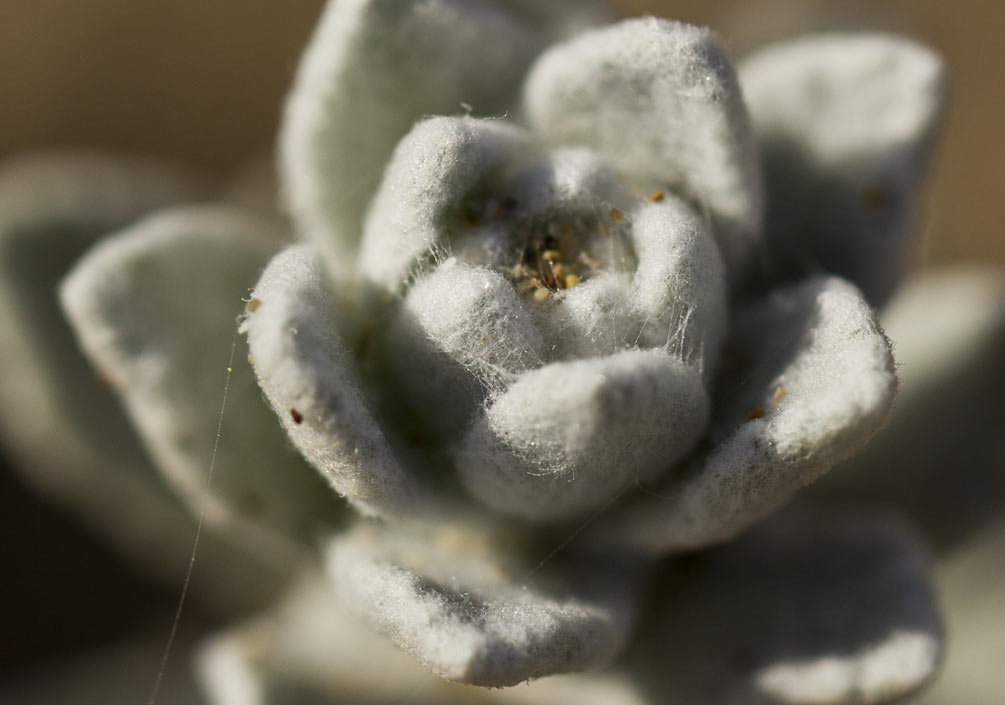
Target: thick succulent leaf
pixel 62 426
pixel 372 69
pixel 311 650
pixel 310 378
pixel 679 287
pixel 661 101
pixel 812 380
pixel 434 170
pixel 461 333
pixel 569 436
pixel 154 307
pixel 828 610
pixel 942 456
pixel 470 610
pixel 846 125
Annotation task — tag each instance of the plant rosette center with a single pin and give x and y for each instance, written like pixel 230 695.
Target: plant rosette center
pixel 555 325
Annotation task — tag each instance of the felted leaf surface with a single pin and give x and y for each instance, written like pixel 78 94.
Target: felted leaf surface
pixel 471 611
pixel 433 171
pixel 846 126
pixel 310 378
pixel 941 458
pixel 462 333
pixel 812 379
pixel 661 101
pixel 154 307
pixel 814 610
pixel 311 650
pixel 65 428
pixel 372 68
pixel 567 437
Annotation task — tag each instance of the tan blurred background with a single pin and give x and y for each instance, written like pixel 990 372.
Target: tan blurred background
pixel 203 82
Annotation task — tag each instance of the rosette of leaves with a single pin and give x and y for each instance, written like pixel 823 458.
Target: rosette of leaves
pixel 566 311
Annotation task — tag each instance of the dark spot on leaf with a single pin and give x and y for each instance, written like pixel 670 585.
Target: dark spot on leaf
pixel 297 417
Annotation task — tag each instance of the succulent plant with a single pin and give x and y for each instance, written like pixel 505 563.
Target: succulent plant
pixel 568 313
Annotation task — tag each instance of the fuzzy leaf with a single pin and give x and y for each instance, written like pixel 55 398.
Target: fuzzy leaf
pixel 461 333
pixel 846 125
pixel 52 208
pixel 372 69
pixel 311 650
pixel 434 170
pixel 311 381
pixel 473 612
pixel 660 100
pixel 154 307
pixel 828 610
pixel 567 437
pixel 679 288
pixel 942 456
pixel 812 381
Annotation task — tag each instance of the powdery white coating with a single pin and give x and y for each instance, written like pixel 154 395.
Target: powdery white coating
pixel 819 342
pixel 679 289
pixel 309 379
pixel 462 333
pixel 471 613
pixel 372 68
pixel 846 125
pixel 433 170
pixel 310 650
pixel 810 608
pixel 567 437
pixel 948 333
pixel 660 100
pixel 156 349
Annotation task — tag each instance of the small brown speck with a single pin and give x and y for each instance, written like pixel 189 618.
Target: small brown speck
pixel 616 215
pixel 484 340
pixel 253 305
pixel 779 394
pixel 656 196
pixel 755 413
pixel 297 417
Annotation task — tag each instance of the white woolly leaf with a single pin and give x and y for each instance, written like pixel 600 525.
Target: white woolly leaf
pixel 829 610
pixel 310 379
pixel 941 456
pixel 567 437
pixel 372 69
pixel 846 125
pixel 434 170
pixel 461 333
pixel 311 650
pixel 474 612
pixel 59 421
pixel 812 379
pixel 660 100
pixel 154 307
pixel 679 289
